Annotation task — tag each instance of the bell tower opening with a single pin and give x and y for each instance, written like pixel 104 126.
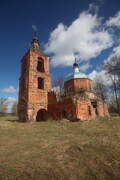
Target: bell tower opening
pixel 40 65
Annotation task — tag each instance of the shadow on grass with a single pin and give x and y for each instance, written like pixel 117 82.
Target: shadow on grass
pixel 13 120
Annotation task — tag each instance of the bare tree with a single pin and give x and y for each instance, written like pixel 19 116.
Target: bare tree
pixel 3 105
pixel 100 88
pixel 59 83
pixel 112 68
pixel 14 108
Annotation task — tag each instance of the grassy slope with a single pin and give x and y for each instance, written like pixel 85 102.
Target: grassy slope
pixel 60 150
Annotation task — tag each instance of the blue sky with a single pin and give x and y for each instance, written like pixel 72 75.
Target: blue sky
pixel 55 20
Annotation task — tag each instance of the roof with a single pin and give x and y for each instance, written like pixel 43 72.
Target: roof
pixel 75 75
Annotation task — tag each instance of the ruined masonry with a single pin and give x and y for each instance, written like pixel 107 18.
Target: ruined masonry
pixel 39 102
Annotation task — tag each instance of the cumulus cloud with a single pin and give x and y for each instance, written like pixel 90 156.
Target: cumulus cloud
pixel 85 67
pixel 95 73
pixel 10 89
pixel 115 52
pixel 85 36
pixel 102 75
pixel 93 8
pixel 114 21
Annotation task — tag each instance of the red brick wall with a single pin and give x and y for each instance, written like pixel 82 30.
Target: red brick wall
pixel 52 98
pixel 76 84
pixel 84 110
pixel 65 109
pixel 35 99
pixel 80 109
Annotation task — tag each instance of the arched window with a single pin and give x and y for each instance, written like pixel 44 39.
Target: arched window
pixel 40 65
pixel 40 83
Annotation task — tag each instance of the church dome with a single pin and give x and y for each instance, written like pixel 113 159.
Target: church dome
pixel 76 73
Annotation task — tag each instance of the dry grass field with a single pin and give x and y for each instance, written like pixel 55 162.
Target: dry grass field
pixel 60 150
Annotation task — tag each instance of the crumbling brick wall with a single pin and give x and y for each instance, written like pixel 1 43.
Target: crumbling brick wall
pixel 62 110
pixel 76 108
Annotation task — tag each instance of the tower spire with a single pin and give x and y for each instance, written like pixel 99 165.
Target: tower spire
pixel 75 66
pixel 75 60
pixel 35 41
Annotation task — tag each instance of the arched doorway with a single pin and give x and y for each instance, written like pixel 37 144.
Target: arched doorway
pixel 41 115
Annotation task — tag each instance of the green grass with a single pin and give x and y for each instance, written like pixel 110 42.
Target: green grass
pixel 60 150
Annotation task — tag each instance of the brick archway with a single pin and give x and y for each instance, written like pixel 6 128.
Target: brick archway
pixel 41 115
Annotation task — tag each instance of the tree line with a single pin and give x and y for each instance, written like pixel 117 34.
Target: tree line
pixel 4 105
pixel 110 92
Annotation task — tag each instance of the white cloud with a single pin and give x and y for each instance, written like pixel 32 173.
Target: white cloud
pixel 84 67
pixel 10 89
pixel 101 75
pixel 95 73
pixel 114 21
pixel 115 52
pixel 93 7
pixel 84 37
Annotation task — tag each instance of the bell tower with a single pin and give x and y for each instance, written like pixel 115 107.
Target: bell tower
pixel 34 84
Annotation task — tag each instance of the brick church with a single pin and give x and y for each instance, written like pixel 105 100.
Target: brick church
pixel 39 102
